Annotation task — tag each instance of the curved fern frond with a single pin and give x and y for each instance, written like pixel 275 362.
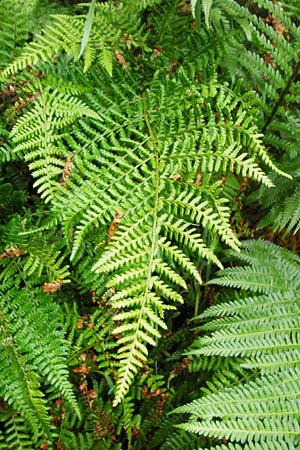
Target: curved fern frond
pixel 137 185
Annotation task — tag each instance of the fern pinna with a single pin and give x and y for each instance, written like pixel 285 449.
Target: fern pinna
pixel 262 331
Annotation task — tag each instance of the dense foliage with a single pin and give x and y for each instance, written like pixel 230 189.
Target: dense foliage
pixel 145 146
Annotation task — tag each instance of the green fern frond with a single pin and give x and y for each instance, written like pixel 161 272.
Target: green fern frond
pixel 255 251
pixel 270 396
pixel 37 257
pixel 121 175
pixel 129 419
pixel 85 441
pixel 288 215
pixel 180 439
pixel 281 204
pixel 64 33
pixel 242 430
pixel 273 362
pixel 279 275
pixel 20 20
pixel 260 35
pixel 264 332
pixel 39 133
pixel 260 279
pixel 105 57
pixel 24 392
pixel 16 434
pixel 260 304
pixel 28 319
pixel 50 355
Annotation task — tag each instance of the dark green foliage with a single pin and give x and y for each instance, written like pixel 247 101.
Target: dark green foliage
pixel 128 139
pixel 15 28
pixel 33 353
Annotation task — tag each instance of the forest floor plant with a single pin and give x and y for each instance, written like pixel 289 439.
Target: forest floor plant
pixel 132 134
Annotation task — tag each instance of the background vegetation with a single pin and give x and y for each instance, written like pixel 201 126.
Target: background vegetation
pixel 148 158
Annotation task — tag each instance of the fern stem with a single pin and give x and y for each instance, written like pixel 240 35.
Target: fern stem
pixel 281 97
pixel 133 345
pixel 156 201
pixel 207 238
pixel 197 298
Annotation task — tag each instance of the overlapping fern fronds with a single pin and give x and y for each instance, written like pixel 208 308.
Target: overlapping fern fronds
pixel 132 170
pixel 281 204
pixel 136 170
pixel 20 20
pixel 113 26
pixel 31 257
pixel 262 330
pixel 264 52
pixel 263 45
pixel 14 29
pixel 33 347
pixel 38 135
pixel 149 173
pixel 33 352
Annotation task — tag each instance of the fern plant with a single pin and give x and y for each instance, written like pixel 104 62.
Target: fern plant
pixel 124 141
pixel 281 205
pixel 154 211
pixel 261 330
